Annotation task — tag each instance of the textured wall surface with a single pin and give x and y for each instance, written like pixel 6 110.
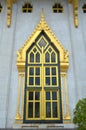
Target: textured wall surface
pixel 13 38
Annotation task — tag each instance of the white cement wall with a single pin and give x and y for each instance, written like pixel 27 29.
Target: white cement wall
pixel 13 38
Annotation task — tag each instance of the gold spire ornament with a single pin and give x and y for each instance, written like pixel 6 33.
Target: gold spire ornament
pixel 75 11
pixel 9 12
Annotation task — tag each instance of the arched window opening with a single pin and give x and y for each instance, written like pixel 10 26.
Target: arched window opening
pixel 27 8
pixel 37 57
pixel 84 8
pixel 31 57
pixel 57 8
pixel 53 58
pixel 47 57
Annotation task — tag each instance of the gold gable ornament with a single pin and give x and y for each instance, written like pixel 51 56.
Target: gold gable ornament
pixel 42 26
pixel 64 64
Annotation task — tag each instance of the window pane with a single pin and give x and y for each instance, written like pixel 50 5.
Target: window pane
pixel 54 105
pixel 54 96
pixel 37 81
pixel 54 81
pixel 37 96
pixel 49 49
pixel 31 81
pixel 30 109
pixel 34 50
pixel 42 43
pixel 54 71
pixel 37 57
pixel 47 80
pixel 37 109
pixel 48 109
pixel 47 71
pixel 37 71
pixel 53 57
pixel 31 71
pixel 47 57
pixel 31 57
pixel 47 95
pixel 30 95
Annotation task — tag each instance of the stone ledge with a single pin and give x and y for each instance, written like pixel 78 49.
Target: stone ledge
pixel 39 129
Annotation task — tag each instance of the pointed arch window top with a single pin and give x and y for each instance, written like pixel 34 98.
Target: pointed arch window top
pixel 43 26
pixel 42 43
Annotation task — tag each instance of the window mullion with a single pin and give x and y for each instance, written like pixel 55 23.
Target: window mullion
pixel 34 76
pixel 50 76
pixel 51 104
pixel 34 105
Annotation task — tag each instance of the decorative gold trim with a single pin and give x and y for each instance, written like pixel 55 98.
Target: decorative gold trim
pixel 67 116
pixel 75 11
pixel 65 107
pixel 9 12
pixel 18 115
pixel 21 54
pixel 42 26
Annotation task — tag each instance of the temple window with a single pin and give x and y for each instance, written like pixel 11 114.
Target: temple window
pixel 57 8
pixel 27 8
pixel 84 8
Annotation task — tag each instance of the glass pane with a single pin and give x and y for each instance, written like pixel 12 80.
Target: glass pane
pixel 37 96
pixel 47 57
pixel 47 71
pixel 54 96
pixel 50 50
pixel 54 81
pixel 31 57
pixel 30 109
pixel 54 105
pixel 53 57
pixel 31 81
pixel 30 95
pixel 37 109
pixel 37 71
pixel 48 109
pixel 42 43
pixel 37 57
pixel 47 95
pixel 37 81
pixel 53 71
pixel 47 80
pixel 34 50
pixel 31 71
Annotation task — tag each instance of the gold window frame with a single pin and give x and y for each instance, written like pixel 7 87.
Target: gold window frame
pixel 21 58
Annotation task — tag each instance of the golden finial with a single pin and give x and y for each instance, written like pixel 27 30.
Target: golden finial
pixel 42 15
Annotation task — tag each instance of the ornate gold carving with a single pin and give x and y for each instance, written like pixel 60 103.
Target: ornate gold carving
pixel 75 11
pixel 42 26
pixel 66 116
pixel 9 12
pixel 64 55
pixel 18 115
